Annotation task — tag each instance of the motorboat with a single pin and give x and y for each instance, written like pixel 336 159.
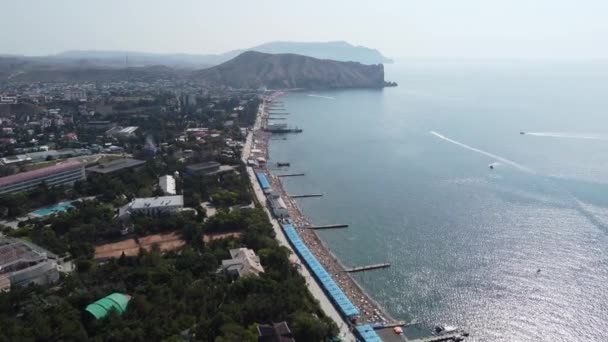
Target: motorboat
pixel 444 330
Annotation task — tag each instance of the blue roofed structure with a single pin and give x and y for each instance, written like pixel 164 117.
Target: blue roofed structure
pixel 263 180
pixel 367 333
pixel 335 293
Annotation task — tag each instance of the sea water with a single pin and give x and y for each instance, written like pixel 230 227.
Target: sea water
pixel 513 252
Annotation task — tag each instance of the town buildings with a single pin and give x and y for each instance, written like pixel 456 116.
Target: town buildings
pixel 152 206
pixel 205 168
pixel 66 173
pixel 276 332
pixel 23 263
pixel 243 262
pixel 116 166
pixel 277 206
pixel 167 184
pixel 124 132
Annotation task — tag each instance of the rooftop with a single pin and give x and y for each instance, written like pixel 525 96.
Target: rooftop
pixel 203 166
pixel 154 202
pixel 116 301
pixel 244 262
pixel 46 171
pixel 277 332
pixel 17 254
pixel 122 130
pixel 167 184
pixel 116 165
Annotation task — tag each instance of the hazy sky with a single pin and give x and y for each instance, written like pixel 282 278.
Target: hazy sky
pixel 398 28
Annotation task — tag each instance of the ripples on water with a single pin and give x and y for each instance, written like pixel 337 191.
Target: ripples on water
pixel 465 242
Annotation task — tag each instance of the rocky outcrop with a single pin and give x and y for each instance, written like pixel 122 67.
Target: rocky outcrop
pixel 253 70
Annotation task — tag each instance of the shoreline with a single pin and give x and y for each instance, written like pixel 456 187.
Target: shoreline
pixel 314 287
pixel 370 310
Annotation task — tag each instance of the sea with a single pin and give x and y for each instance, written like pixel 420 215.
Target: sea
pixel 483 183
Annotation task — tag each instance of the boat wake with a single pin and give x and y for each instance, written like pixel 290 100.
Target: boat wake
pixel 485 153
pixel 566 135
pixel 574 201
pixel 322 97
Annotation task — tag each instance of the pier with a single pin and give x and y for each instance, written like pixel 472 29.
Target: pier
pixel 278 113
pixel 277 118
pixel 367 267
pixel 291 175
pixel 283 130
pixel 306 195
pixel 329 226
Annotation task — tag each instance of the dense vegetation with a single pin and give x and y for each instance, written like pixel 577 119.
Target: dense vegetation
pixel 176 296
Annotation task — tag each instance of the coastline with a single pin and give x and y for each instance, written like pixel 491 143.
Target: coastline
pixel 370 310
pixel 328 308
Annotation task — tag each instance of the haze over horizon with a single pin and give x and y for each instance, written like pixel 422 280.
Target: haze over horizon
pixel 562 29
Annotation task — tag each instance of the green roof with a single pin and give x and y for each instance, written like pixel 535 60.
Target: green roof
pixel 116 301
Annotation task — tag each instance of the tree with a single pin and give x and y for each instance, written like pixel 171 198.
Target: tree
pixel 306 327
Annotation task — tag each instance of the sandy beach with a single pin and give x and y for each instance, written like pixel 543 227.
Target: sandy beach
pixel 370 311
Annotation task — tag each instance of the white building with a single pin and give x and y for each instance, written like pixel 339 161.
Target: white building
pixel 75 95
pixel 244 262
pixel 122 131
pixel 167 184
pixel 277 206
pixel 152 206
pixel 5 99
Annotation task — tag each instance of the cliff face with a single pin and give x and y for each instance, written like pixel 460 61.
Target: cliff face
pixel 252 70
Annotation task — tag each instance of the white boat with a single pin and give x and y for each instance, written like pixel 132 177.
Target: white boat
pixel 445 330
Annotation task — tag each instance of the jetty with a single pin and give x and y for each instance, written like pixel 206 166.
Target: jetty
pixel 367 267
pixel 281 114
pixel 394 324
pixel 277 118
pixel 329 226
pixel 306 195
pixel 291 175
pixel 283 130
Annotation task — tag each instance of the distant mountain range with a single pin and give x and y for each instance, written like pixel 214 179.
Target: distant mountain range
pixel 238 69
pixel 252 69
pixel 338 51
pixel 99 74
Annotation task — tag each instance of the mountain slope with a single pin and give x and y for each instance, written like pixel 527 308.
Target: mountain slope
pixel 251 70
